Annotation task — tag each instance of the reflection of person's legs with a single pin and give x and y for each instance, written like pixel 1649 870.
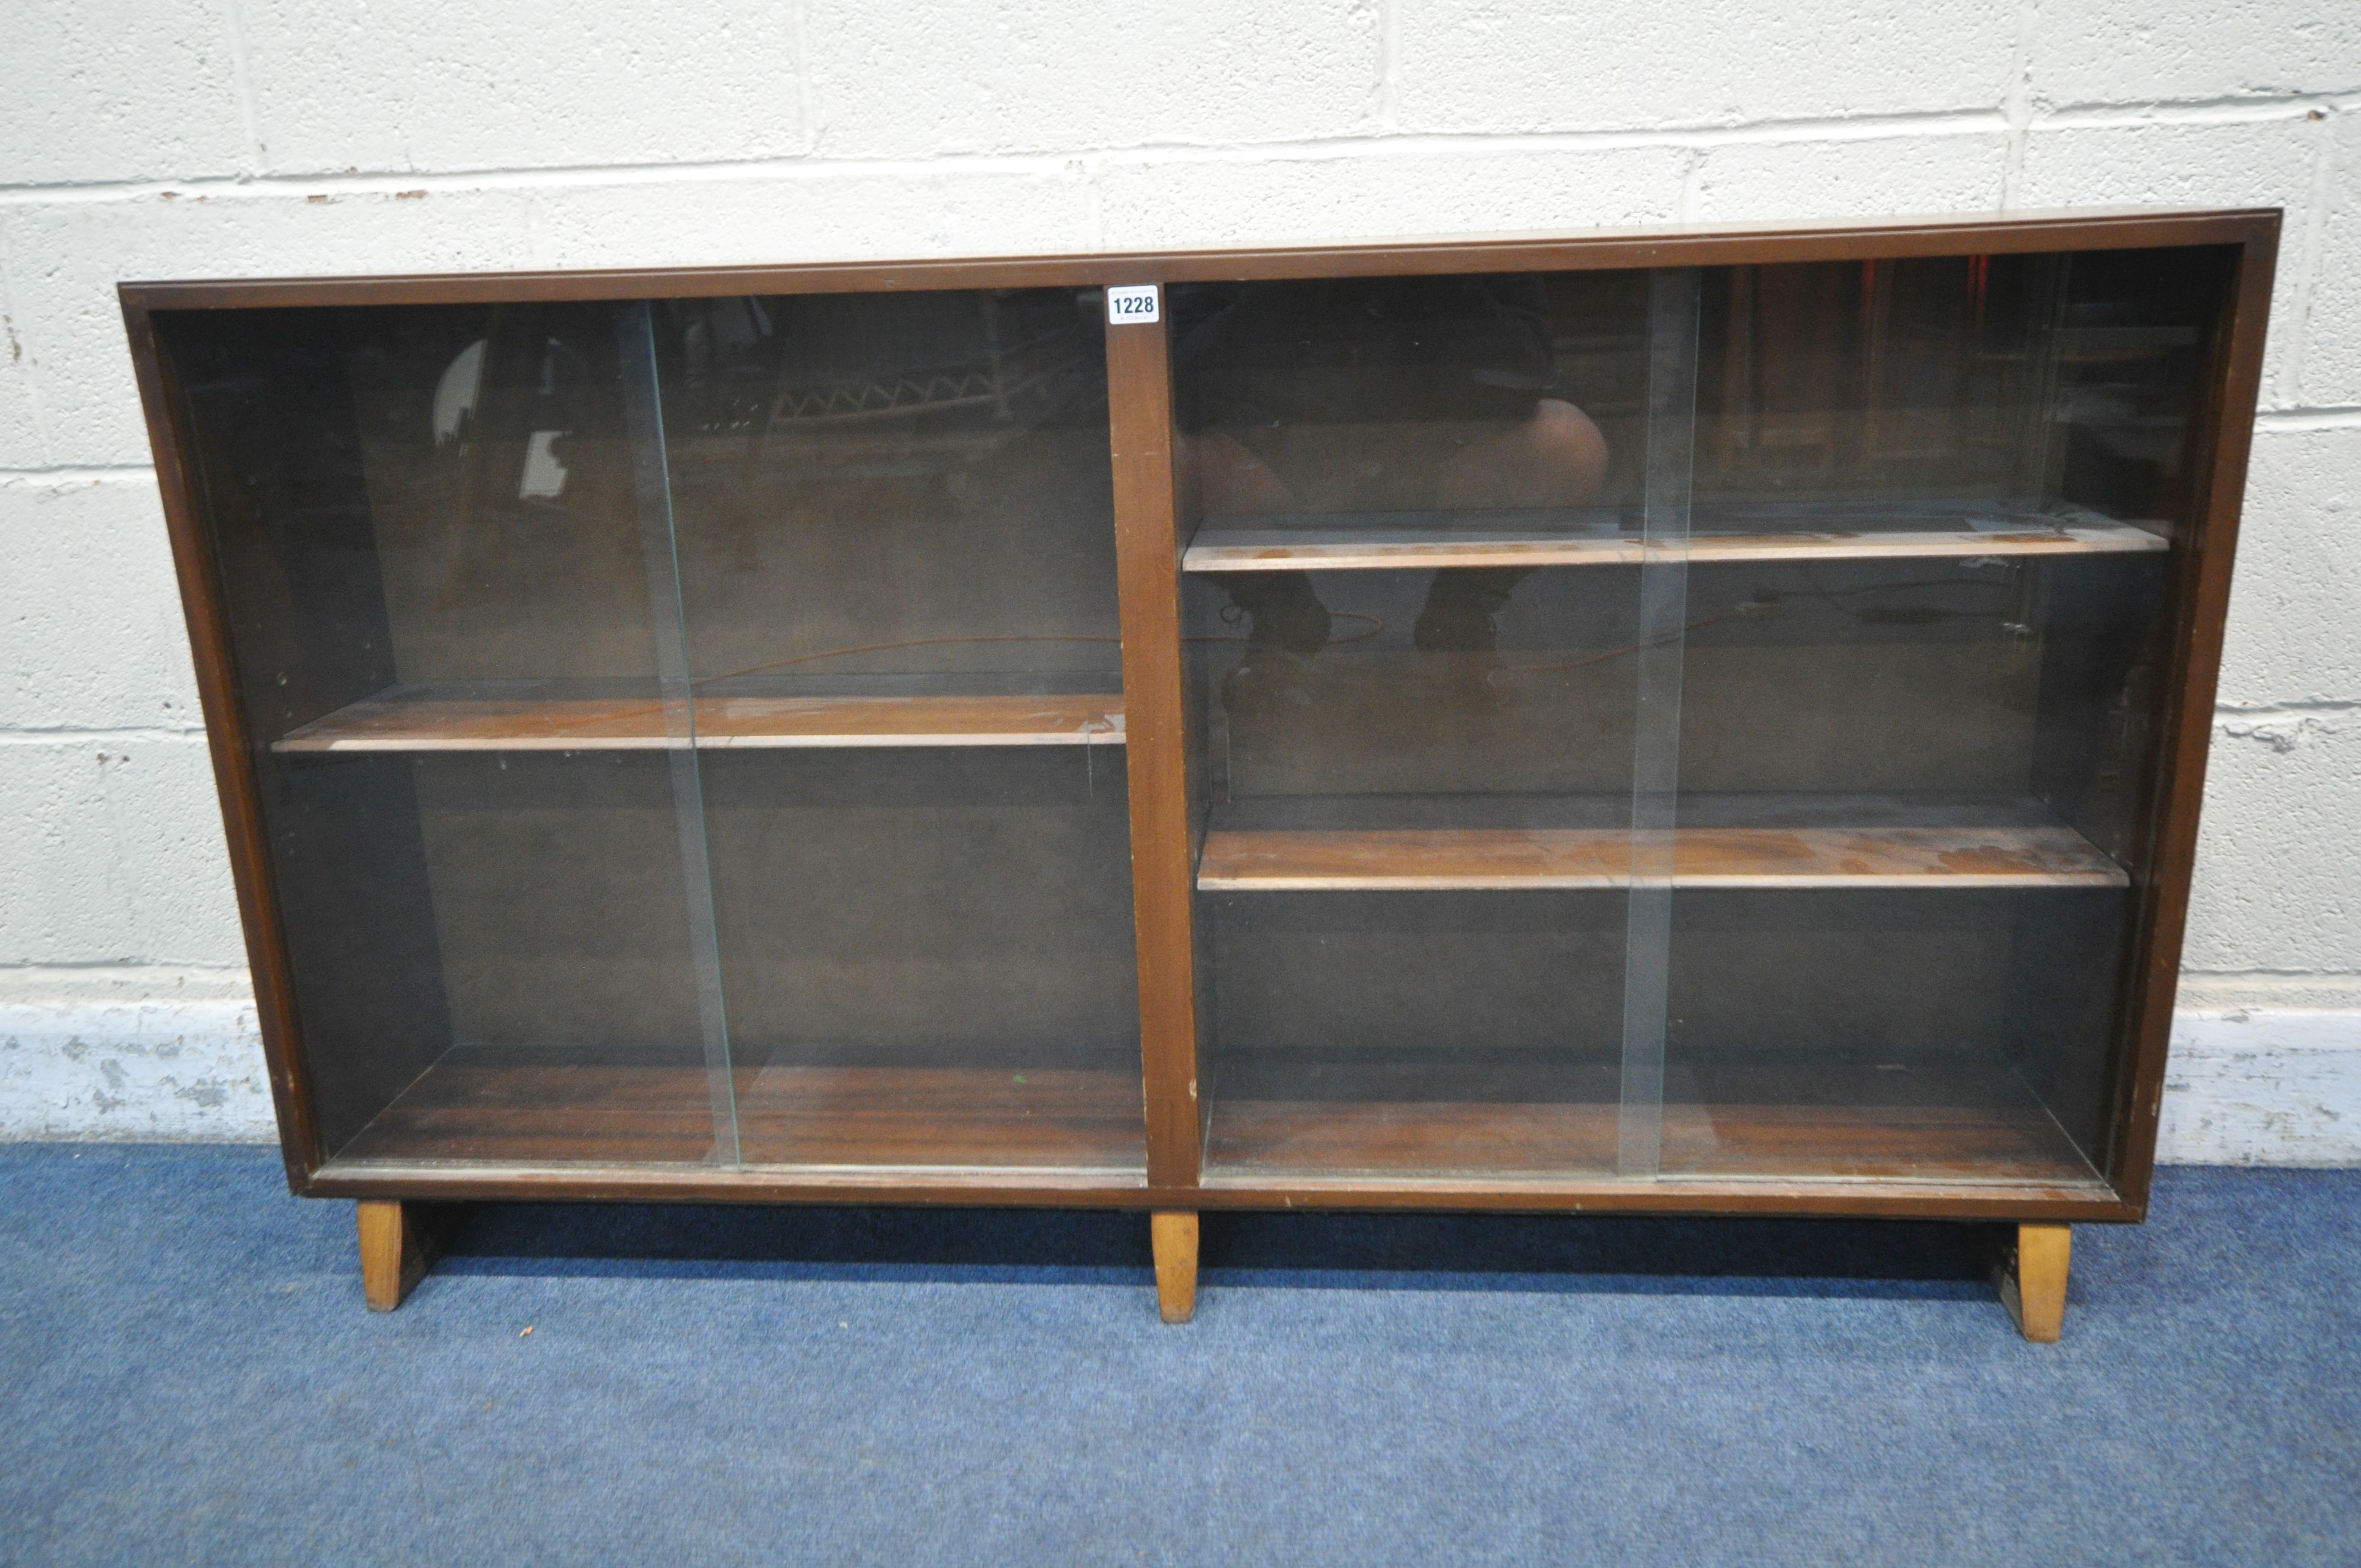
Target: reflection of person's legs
pixel 1457 618
pixel 1556 459
pixel 1283 612
pixel 1286 625
pixel 1228 477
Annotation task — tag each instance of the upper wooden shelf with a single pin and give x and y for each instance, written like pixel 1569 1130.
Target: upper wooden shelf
pixel 1485 858
pixel 432 718
pixel 1226 547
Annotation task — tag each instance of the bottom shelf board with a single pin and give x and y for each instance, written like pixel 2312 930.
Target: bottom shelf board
pixel 1778 1120
pixel 1763 1123
pixel 561 1105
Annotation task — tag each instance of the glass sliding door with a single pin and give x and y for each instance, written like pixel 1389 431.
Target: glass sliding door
pixel 456 642
pixel 1936 502
pixel 1685 725
pixel 690 731
pixel 1415 623
pixel 896 547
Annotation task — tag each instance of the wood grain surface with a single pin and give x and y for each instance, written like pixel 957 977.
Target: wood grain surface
pixel 1147 567
pixel 1319 1138
pixel 1449 860
pixel 1603 250
pixel 1269 1138
pixel 586 1105
pixel 1230 549
pixel 427 719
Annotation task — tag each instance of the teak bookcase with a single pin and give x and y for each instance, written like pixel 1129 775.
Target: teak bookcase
pixel 1705 721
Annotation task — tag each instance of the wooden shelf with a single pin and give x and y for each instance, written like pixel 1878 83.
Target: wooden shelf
pixel 432 718
pixel 1780 1119
pixel 1469 859
pixel 1256 1140
pixel 565 1105
pixel 1773 1120
pixel 1234 549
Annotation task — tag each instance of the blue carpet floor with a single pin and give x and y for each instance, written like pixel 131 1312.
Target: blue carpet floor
pixel 187 1376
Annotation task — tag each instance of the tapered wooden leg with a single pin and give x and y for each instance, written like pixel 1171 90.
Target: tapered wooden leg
pixel 2032 1280
pixel 399 1242
pixel 1175 1236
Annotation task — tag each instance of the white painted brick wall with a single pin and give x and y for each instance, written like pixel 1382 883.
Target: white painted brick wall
pixel 225 137
pixel 2332 325
pixel 446 85
pixel 1640 66
pixel 90 615
pixel 1057 76
pixel 2273 161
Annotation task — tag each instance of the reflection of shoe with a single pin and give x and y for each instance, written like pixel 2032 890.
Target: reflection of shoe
pixel 1462 641
pixel 1463 610
pixel 1268 680
pixel 1281 610
pixel 1474 682
pixel 1454 625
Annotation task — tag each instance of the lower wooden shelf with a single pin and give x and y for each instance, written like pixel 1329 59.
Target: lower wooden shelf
pixel 1476 859
pixel 461 718
pixel 1779 1120
pixel 559 1105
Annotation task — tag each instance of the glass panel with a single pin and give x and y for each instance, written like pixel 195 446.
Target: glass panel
pixel 1656 718
pixel 1934 511
pixel 895 519
pixel 1414 609
pixel 453 618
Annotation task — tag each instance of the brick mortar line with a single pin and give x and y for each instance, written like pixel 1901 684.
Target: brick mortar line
pixel 242 82
pixel 2309 707
pixel 1047 161
pixel 212 187
pixel 2016 101
pixel 66 738
pixel 101 968
pixel 2320 203
pixel 77 478
pixel 2271 974
pixel 2299 419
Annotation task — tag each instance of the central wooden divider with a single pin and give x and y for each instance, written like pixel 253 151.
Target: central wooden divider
pixel 1148 574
